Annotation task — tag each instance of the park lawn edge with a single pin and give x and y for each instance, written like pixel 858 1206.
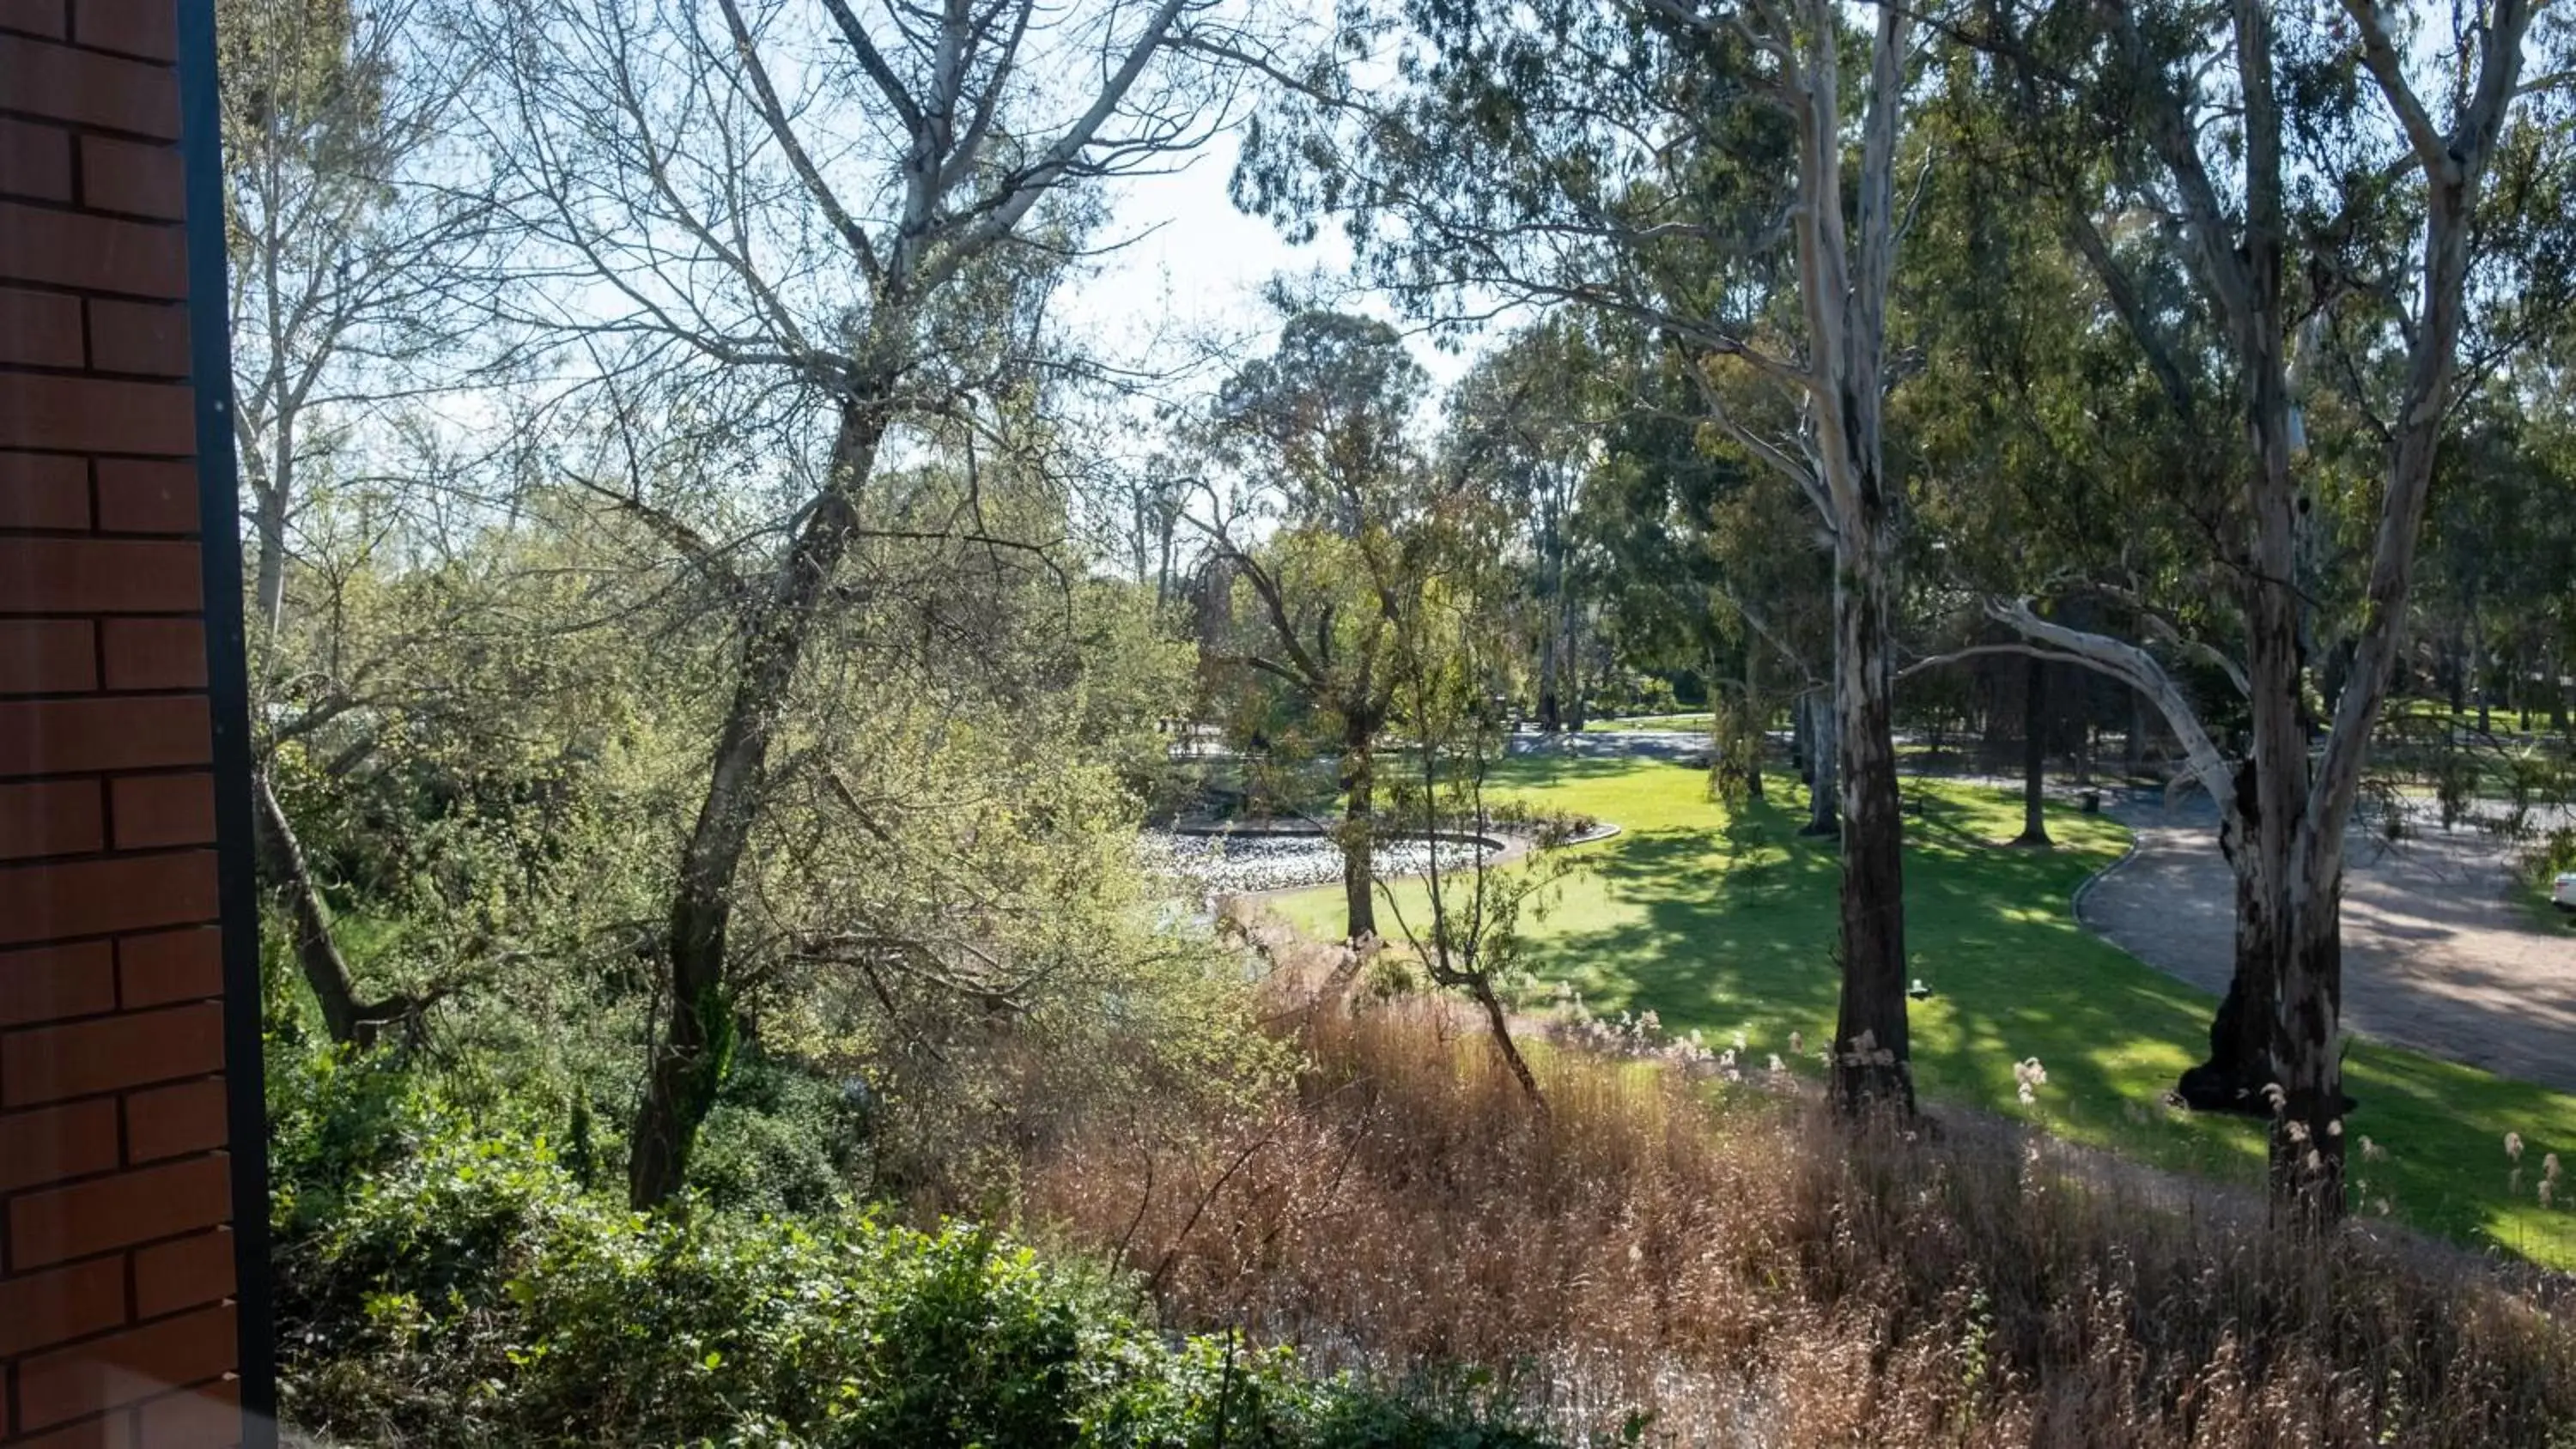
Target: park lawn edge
pixel 1721 922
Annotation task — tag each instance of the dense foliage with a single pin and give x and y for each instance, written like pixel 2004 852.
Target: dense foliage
pixel 718 628
pixel 453 1284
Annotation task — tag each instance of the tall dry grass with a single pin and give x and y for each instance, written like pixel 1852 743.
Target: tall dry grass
pixel 1748 1272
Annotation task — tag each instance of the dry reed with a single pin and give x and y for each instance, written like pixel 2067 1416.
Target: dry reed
pixel 1729 1260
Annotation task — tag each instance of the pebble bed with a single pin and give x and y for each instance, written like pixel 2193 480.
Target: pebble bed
pixel 1223 865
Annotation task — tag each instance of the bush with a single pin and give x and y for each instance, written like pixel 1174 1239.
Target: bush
pixel 334 1118
pixel 466 1290
pixel 781 1138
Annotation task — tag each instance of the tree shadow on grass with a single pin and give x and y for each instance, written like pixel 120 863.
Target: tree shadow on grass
pixel 1725 922
pixel 1729 925
pixel 1733 928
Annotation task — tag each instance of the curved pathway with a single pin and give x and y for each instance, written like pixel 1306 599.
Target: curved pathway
pixel 2437 954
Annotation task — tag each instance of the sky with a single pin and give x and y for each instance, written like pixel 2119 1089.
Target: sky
pixel 1193 265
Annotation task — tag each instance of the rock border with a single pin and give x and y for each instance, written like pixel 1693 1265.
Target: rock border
pixel 1508 846
pixel 2084 890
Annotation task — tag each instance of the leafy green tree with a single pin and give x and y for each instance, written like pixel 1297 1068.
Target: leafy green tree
pixel 1685 168
pixel 1709 564
pixel 351 270
pixel 838 231
pixel 2498 548
pixel 1526 422
pixel 2337 236
pixel 464 766
pixel 1321 429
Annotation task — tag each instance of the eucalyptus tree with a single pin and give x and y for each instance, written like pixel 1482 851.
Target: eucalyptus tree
pixel 2341 231
pixel 1687 166
pixel 2495 601
pixel 1707 562
pixel 352 263
pixel 1525 424
pixel 2051 468
pixel 2065 461
pixel 352 275
pixel 1332 538
pixel 846 220
pixel 1148 508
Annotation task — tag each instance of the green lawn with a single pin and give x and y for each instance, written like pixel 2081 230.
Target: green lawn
pixel 1726 924
pixel 2500 719
pixel 2543 914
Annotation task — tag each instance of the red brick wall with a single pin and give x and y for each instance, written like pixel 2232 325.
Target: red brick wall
pixel 118 1315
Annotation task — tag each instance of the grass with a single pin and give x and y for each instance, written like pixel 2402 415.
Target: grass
pixel 2543 914
pixel 1725 923
pixel 2535 721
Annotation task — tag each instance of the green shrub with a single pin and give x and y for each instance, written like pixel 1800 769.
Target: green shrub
pixel 465 1290
pixel 334 1119
pixel 780 1140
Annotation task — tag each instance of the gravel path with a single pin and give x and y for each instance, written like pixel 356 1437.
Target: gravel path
pixel 2437 956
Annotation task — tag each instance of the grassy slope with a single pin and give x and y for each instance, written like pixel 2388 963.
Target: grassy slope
pixel 1727 924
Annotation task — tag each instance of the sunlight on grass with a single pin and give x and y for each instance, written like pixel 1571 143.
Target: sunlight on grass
pixel 1726 923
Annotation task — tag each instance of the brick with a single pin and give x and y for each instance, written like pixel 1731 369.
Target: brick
pixel 174 1121
pixel 76 1059
pixel 169 966
pixel 43 17
pixel 98 576
pixel 48 656
pixel 94 897
pixel 142 337
pixel 135 496
pixel 44 1309
pixel 48 1146
pixel 154 653
pixel 97 414
pixel 83 86
pixel 118 1211
pixel 53 982
pixel 53 817
pixel 140 177
pixel 40 329
pixel 207 1417
pixel 95 253
pixel 47 1063
pixel 136 1364
pixel 182 1274
pixel 148 28
pixel 153 811
pixel 42 492
pixel 34 160
pixel 72 736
